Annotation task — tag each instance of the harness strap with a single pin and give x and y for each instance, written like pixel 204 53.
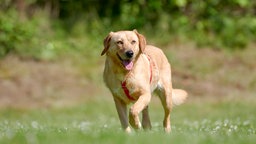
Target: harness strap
pixel 151 67
pixel 126 90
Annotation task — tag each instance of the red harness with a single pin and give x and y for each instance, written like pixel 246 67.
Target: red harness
pixel 126 90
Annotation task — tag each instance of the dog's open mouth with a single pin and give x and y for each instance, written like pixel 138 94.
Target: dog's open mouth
pixel 128 64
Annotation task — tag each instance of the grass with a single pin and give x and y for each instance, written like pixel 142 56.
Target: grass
pixel 203 120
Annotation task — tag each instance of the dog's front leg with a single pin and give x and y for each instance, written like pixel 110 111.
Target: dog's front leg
pixel 122 113
pixel 138 106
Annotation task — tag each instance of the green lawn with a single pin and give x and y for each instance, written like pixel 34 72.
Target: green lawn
pixel 199 121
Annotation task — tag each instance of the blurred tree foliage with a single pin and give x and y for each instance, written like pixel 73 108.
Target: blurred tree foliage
pixel 218 23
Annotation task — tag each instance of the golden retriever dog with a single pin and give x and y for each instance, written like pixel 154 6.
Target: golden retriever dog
pixel 133 71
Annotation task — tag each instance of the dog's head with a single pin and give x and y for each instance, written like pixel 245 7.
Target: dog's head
pixel 124 47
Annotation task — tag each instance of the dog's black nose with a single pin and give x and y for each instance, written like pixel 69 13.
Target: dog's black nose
pixel 129 54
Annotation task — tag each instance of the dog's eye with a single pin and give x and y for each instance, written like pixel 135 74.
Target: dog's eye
pixel 119 42
pixel 133 42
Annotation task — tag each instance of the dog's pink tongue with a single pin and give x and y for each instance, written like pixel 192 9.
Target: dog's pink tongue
pixel 128 64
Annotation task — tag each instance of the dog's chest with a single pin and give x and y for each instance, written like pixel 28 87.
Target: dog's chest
pixel 126 89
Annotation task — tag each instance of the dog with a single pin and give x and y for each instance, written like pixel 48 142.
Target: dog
pixel 133 71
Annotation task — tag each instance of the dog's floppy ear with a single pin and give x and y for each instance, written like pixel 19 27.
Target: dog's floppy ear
pixel 106 43
pixel 142 40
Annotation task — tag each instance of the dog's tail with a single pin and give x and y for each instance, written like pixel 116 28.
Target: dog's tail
pixel 178 96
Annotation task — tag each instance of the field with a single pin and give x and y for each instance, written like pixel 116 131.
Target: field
pixel 198 121
pixel 70 104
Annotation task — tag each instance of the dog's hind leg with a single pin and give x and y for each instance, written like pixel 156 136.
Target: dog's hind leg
pixel 146 124
pixel 165 96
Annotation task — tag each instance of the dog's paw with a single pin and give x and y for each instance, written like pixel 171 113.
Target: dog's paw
pixel 128 130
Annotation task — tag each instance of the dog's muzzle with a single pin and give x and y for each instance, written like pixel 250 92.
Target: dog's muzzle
pixel 129 54
pixel 127 63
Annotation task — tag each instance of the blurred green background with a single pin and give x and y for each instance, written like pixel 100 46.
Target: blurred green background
pixel 51 87
pixel 34 28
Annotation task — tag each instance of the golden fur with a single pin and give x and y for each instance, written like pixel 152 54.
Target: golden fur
pixel 145 69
